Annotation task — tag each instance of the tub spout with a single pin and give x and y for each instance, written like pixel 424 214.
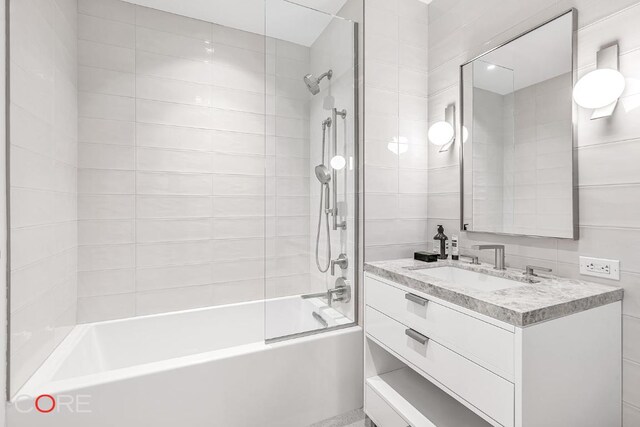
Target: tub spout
pixel 342 293
pixel 316 295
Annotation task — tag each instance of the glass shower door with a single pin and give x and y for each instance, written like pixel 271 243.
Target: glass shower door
pixel 311 256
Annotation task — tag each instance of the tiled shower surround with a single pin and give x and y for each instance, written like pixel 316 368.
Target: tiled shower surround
pixel 43 175
pixel 172 163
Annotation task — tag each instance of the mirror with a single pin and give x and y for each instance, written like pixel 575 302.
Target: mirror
pixel 517 125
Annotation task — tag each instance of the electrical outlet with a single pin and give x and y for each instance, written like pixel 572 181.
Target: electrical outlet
pixel 598 267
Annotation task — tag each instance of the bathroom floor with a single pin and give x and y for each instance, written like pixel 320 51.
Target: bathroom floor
pixel 350 419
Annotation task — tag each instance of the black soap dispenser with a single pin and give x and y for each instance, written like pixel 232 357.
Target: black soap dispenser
pixel 443 242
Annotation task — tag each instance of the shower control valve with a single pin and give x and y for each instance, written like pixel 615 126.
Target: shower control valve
pixel 341 293
pixel 342 262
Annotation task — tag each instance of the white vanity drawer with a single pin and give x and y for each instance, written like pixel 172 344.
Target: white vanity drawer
pixel 380 411
pixel 485 344
pixel 481 388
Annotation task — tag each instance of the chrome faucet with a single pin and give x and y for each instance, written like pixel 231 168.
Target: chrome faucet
pixel 341 293
pixel 499 257
pixel 342 262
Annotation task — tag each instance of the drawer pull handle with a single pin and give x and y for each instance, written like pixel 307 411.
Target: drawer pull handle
pixel 416 336
pixel 416 299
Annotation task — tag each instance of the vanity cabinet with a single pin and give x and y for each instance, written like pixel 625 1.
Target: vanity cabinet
pixel 430 362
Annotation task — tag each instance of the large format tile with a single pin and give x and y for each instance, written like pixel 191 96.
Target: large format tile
pixel 241 60
pixel 238 164
pixel 173 206
pixel 167 300
pixel 238 100
pixel 381 23
pixel 159 89
pixel 630 344
pixel 173 253
pixel 630 379
pixel 106 257
pixel 233 228
pixel 108 57
pixel 156 278
pixel 95 181
pixel 106 206
pixel 91 28
pixel 154 64
pixel 110 107
pixel 160 42
pixel 613 206
pixel 167 113
pixel 164 183
pixel 105 156
pixel 630 415
pixel 154 159
pixel 106 307
pixel 172 230
pixel 101 131
pixel 234 37
pixel 179 25
pixel 106 282
pixel 114 10
pixel 176 137
pixel 103 232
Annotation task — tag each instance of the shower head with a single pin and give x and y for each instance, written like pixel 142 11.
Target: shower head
pixel 313 83
pixel 323 174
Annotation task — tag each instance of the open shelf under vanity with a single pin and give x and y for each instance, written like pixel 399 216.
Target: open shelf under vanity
pixel 403 397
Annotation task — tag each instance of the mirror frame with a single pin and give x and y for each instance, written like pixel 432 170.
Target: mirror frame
pixel 574 132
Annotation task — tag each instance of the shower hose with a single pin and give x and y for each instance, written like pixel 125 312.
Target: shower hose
pixel 325 193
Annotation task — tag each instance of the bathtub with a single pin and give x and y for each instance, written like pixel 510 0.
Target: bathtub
pixel 203 367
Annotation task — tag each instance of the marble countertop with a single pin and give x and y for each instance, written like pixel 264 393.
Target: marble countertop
pixel 550 298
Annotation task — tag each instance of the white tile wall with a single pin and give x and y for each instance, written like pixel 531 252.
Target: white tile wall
pixel 43 181
pixel 609 186
pixel 176 156
pixel 396 192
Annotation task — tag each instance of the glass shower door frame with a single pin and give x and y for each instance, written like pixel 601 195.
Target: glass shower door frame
pixel 355 285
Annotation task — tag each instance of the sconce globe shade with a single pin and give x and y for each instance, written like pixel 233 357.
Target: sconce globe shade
pixel 599 88
pixel 338 162
pixel 441 133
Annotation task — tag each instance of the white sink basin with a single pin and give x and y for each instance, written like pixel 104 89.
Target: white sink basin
pixel 470 279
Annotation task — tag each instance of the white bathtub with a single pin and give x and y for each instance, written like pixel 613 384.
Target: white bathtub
pixel 204 367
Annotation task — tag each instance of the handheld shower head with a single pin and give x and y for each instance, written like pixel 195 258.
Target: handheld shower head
pixel 313 83
pixel 323 174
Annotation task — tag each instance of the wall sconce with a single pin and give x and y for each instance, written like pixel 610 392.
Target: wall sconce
pixel 443 133
pixel 600 89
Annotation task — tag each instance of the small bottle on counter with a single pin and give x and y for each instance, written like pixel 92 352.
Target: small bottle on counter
pixel 442 238
pixel 455 251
